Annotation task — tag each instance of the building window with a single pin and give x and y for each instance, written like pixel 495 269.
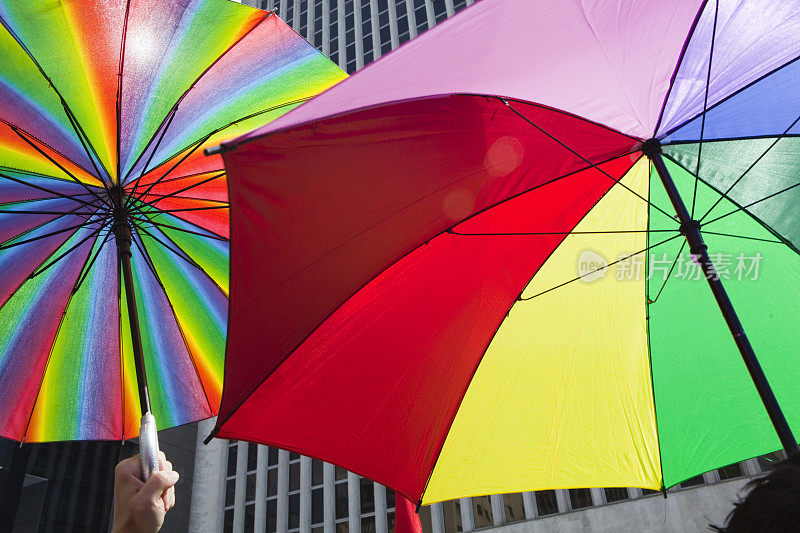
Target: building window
pixel 230 491
pixel 272 457
pixel 425 518
pixel 250 488
pixel 767 462
pixel 616 494
pixel 294 491
pixel 546 502
pixel 403 31
pixel 482 511
pixel 249 518
pixel 294 476
pixel 439 10
pixel 580 498
pixel 252 457
pixel 228 524
pixel 693 482
pixel 368 524
pixel 513 507
pixel 317 506
pixel 317 494
pixel 420 15
pixel 730 472
pixel 272 490
pixel 367 496
pixel 340 488
pixel 294 511
pixel 452 516
pixel 232 449
pixel 272 515
pixel 288 19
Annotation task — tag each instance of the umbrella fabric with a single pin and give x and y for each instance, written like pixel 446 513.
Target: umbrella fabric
pixel 97 95
pixel 470 279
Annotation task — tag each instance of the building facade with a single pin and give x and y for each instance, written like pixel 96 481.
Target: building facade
pixel 354 33
pixel 241 487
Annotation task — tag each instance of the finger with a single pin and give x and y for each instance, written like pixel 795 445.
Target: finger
pixel 131 465
pixel 169 498
pixel 162 460
pixel 166 466
pixel 158 483
pixel 129 472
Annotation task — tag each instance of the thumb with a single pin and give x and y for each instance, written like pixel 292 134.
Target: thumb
pixel 157 484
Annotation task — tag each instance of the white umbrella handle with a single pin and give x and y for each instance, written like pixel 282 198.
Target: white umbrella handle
pixel 148 445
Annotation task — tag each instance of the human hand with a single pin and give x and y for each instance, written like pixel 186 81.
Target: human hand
pixel 140 507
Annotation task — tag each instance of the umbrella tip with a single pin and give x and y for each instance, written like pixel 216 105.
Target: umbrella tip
pixel 210 436
pixel 214 150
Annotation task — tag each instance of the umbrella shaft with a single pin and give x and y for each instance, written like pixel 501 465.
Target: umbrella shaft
pixel 122 233
pixel 691 230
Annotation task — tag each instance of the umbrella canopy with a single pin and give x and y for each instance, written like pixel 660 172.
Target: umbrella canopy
pixel 105 107
pixel 474 281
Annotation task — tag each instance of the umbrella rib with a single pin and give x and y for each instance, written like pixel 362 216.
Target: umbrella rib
pixel 194 148
pixel 617 181
pixel 123 42
pixel 146 256
pixel 47 364
pixel 3 244
pixel 705 107
pixel 163 225
pixel 203 139
pixel 675 262
pixel 144 171
pixel 752 165
pixel 177 250
pixel 89 265
pixel 742 237
pixel 44 236
pixel 44 189
pixel 151 215
pixel 56 163
pixel 70 116
pixel 149 261
pixel 725 99
pixel 261 112
pixel 180 254
pixel 183 209
pixel 175 193
pixel 674 76
pixel 512 234
pixel 174 108
pixel 744 208
pixel 43 143
pixel 40 270
pixel 192 175
pixel 37 212
pixel 728 139
pixel 625 258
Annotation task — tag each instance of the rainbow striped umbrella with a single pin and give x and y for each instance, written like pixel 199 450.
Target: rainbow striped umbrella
pixel 490 276
pixel 113 225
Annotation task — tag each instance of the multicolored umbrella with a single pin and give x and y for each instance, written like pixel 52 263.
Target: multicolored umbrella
pixel 105 107
pixel 472 280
